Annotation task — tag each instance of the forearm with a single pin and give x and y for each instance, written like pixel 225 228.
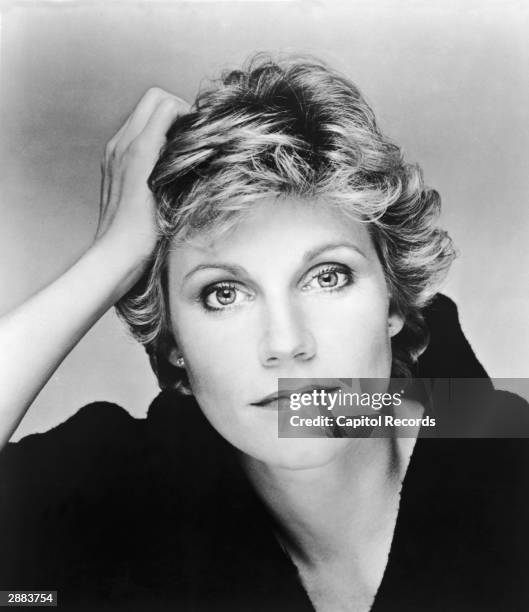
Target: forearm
pixel 37 336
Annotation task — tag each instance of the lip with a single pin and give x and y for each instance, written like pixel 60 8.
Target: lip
pixel 281 400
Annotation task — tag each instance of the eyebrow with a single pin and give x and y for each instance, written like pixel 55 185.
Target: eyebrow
pixel 316 251
pixel 307 256
pixel 232 268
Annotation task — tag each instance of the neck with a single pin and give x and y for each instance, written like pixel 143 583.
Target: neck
pixel 325 510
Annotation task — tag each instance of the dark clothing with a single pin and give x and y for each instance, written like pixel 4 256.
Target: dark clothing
pixel 156 514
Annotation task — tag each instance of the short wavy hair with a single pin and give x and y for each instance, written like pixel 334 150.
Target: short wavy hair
pixel 290 128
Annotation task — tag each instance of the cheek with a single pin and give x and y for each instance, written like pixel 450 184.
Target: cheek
pixel 216 350
pixel 353 335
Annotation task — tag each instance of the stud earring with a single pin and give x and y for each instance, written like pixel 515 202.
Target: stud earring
pixel 180 363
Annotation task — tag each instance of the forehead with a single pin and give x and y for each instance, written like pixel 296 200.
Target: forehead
pixel 279 229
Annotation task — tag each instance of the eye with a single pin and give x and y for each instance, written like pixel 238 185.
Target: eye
pixel 330 277
pixel 223 296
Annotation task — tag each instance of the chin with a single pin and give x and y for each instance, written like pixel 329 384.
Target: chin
pixel 299 453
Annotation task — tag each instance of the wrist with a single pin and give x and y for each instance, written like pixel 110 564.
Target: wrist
pixel 122 259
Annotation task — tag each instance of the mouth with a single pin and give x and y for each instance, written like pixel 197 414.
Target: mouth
pixel 281 400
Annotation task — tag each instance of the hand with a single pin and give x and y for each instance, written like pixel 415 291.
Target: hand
pixel 127 208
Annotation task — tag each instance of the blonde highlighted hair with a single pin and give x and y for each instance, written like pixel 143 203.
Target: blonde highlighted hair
pixel 290 128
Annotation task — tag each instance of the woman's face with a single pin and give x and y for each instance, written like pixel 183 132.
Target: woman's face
pixel 295 291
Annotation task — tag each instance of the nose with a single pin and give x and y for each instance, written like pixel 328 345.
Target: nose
pixel 285 336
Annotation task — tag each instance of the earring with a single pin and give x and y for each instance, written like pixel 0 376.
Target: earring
pixel 180 363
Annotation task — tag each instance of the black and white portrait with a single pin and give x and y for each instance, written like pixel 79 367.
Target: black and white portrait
pixel 221 222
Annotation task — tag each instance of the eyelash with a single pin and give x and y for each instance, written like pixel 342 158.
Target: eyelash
pixel 337 269
pixel 329 268
pixel 210 290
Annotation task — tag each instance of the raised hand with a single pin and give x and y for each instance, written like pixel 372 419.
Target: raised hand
pixel 127 207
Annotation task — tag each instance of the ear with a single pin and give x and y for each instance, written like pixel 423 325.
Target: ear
pixel 167 348
pixel 395 323
pixel 172 355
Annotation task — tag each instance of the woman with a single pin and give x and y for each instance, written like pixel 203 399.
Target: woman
pixel 281 235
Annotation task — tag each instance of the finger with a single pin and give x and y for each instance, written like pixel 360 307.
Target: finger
pixel 106 178
pixel 155 130
pixel 117 136
pixel 138 119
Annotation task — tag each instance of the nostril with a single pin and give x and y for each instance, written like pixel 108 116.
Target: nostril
pixel 304 351
pixel 285 336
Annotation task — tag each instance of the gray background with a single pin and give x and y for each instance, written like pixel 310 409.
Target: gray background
pixel 447 79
